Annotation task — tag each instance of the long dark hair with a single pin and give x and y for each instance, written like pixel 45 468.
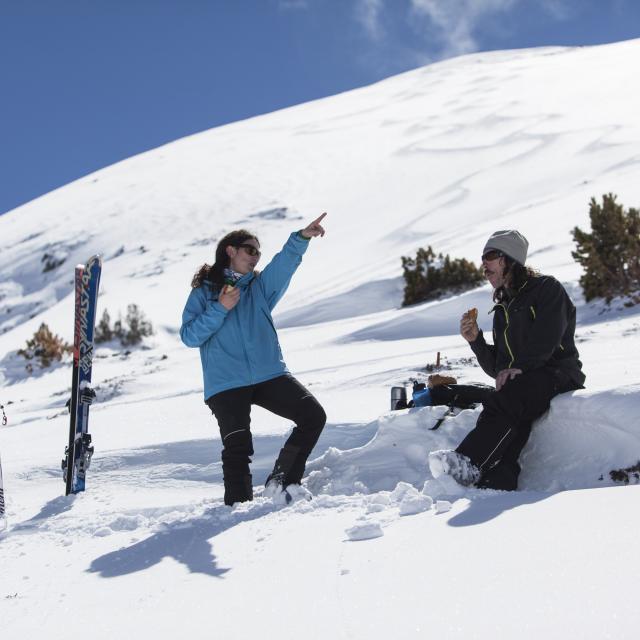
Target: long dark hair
pixel 515 277
pixel 213 274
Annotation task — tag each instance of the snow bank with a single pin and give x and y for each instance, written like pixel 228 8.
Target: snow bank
pixel 582 437
pixel 397 453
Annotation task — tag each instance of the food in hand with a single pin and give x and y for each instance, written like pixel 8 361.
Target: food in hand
pixel 472 314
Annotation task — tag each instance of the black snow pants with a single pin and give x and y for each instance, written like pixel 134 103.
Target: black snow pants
pixel 504 425
pixel 285 397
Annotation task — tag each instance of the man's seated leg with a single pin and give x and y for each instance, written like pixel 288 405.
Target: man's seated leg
pixel 504 425
pixel 504 475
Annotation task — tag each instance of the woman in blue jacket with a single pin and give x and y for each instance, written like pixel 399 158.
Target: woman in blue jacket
pixel 228 316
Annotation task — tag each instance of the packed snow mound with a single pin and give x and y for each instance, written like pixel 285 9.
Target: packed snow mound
pixel 582 437
pixel 575 445
pixel 397 453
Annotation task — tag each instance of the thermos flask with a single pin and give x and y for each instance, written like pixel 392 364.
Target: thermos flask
pixel 398 398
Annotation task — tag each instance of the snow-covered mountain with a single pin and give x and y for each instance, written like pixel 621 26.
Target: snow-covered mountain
pixel 440 156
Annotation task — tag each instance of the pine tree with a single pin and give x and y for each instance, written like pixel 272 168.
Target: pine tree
pixel 103 332
pixel 130 332
pixel 610 254
pixel 138 326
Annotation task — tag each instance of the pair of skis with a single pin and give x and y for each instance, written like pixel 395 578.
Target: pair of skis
pixel 79 450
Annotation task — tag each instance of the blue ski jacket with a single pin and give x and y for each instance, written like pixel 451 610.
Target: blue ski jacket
pixel 240 347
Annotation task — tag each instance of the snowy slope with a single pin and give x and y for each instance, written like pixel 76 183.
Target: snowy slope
pixel 442 155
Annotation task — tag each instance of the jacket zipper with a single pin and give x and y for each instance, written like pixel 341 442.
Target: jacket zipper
pixel 506 313
pixel 506 339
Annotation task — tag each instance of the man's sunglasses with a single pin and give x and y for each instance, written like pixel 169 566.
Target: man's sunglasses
pixel 492 254
pixel 250 249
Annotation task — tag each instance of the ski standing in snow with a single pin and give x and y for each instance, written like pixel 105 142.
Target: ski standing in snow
pixel 533 358
pixel 3 513
pixel 79 450
pixel 228 317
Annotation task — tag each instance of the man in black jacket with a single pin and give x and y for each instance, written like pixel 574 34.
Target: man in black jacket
pixel 533 358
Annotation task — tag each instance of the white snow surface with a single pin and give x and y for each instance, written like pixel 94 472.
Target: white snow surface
pixel 443 155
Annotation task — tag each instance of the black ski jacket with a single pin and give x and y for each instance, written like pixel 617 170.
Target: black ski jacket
pixel 533 329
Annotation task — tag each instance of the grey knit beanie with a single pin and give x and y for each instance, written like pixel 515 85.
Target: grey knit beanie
pixel 510 242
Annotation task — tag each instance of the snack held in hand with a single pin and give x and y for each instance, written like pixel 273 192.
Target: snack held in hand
pixel 473 314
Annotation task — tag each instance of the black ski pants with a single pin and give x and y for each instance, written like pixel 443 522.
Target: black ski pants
pixel 285 397
pixel 504 425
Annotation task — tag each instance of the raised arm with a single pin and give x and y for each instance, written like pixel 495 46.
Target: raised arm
pixel 276 276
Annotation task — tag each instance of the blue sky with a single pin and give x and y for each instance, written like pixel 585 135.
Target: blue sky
pixel 85 83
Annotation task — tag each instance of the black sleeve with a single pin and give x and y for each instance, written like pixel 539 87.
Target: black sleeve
pixel 486 354
pixel 549 326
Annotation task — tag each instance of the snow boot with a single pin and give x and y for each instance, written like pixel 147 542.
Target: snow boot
pixel 279 481
pixel 454 464
pixel 238 490
pixel 281 494
pixel 297 492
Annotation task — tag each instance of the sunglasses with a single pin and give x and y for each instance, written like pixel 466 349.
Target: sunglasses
pixel 250 249
pixel 492 254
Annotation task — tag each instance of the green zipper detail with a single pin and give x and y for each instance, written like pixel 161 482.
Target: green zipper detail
pixel 506 339
pixel 506 314
pixel 533 312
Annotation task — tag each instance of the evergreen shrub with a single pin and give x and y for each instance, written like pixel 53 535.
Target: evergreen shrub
pixel 130 332
pixel 610 254
pixel 44 347
pixel 429 276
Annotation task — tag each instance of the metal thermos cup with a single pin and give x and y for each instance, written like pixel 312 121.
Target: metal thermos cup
pixel 398 397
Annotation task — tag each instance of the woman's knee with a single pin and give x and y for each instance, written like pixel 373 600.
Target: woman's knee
pixel 237 443
pixel 312 414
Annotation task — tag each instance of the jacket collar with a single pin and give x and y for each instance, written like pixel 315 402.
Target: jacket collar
pixel 246 279
pixel 506 303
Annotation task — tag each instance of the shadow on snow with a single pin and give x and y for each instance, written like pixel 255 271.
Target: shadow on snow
pixel 186 542
pixel 483 508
